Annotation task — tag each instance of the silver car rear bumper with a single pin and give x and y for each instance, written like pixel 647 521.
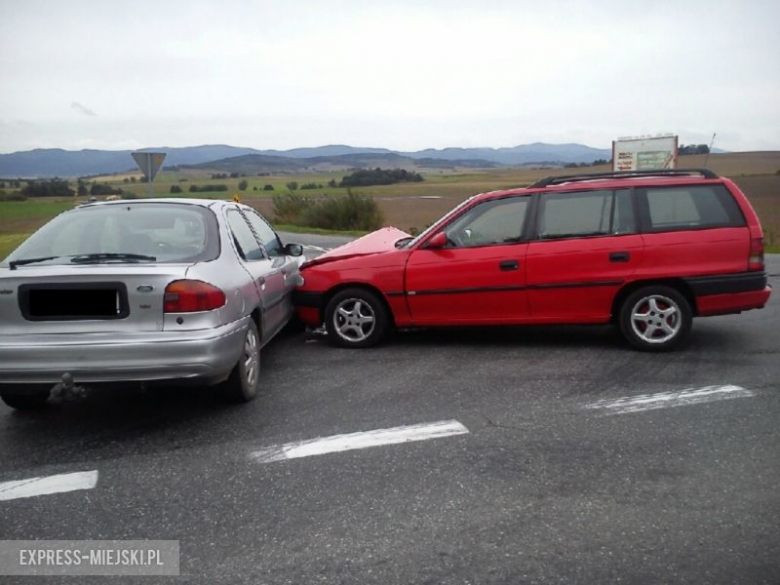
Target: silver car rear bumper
pixel 206 355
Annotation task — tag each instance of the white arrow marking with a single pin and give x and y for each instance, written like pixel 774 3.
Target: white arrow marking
pixel 363 440
pixel 53 484
pixel 670 399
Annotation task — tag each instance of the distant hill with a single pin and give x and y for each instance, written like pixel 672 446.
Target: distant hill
pixel 537 152
pixel 64 163
pixel 55 162
pixel 260 163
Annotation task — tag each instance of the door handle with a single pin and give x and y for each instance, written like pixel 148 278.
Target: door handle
pixel 509 265
pixel 619 257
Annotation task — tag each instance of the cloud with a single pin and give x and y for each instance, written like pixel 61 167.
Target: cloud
pixel 82 109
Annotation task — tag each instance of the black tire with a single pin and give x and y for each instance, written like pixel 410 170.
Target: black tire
pixel 356 318
pixel 243 383
pixel 655 318
pixel 33 401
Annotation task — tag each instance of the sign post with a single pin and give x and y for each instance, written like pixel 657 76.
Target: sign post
pixel 149 163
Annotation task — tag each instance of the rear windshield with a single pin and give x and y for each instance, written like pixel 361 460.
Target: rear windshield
pixel 169 232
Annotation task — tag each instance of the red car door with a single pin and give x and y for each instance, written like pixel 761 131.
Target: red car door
pixel 479 275
pixel 586 246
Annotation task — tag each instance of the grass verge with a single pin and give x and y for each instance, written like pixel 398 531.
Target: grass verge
pixel 9 243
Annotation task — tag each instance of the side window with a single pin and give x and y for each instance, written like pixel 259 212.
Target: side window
pixel 586 213
pixel 494 222
pixel 683 207
pixel 248 247
pixel 268 237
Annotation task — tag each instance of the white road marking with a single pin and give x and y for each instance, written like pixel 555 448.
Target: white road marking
pixel 362 440
pixel 316 248
pixel 53 484
pixel 670 399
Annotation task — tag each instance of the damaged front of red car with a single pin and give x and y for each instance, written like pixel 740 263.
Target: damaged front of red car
pixel 357 290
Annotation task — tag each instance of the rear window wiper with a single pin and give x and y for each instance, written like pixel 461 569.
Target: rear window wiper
pixel 13 264
pixel 104 256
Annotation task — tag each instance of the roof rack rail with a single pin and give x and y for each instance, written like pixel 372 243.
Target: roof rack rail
pixel 548 181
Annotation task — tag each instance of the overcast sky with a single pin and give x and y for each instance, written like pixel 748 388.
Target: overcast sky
pixel 407 75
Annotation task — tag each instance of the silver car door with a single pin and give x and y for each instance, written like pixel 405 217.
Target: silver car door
pixel 287 266
pixel 267 278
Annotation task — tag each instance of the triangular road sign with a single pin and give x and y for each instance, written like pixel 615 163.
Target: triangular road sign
pixel 149 163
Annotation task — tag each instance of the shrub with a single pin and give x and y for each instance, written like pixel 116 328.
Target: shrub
pixel 176 189
pixel 50 188
pixel 353 212
pixel 290 208
pixel 363 178
pixel 104 189
pixel 268 187
pixel 12 196
pixel 207 188
pixel 292 185
pixel 242 185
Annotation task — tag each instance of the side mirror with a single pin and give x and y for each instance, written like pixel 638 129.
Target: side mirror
pixel 438 241
pixel 293 250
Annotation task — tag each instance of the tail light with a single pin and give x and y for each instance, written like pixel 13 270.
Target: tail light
pixel 192 296
pixel 756 258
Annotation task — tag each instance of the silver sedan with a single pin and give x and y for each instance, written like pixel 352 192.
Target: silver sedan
pixel 143 291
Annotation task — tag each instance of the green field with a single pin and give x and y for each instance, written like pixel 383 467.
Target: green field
pixel 408 206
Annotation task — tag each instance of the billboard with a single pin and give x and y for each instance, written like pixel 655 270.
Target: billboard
pixel 644 153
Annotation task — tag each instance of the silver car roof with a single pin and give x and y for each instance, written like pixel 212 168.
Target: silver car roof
pixel 179 200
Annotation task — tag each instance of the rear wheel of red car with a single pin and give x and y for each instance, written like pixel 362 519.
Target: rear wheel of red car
pixel 35 401
pixel 244 381
pixel 655 318
pixel 356 317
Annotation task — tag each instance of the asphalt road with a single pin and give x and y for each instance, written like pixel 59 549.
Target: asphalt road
pixel 584 462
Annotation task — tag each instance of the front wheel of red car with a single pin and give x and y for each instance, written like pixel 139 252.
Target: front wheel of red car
pixel 655 318
pixel 356 318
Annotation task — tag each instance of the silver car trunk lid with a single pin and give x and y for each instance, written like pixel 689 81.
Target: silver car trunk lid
pixel 84 298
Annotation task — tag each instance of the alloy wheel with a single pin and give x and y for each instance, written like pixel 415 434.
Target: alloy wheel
pixel 656 319
pixel 354 320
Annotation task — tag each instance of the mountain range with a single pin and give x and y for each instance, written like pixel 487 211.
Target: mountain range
pixel 54 162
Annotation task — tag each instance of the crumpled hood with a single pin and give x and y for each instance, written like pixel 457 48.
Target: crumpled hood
pixel 374 243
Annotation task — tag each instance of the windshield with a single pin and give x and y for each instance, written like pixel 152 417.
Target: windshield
pixel 135 232
pixel 435 225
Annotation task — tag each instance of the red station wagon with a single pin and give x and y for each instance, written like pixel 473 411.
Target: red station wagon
pixel 647 251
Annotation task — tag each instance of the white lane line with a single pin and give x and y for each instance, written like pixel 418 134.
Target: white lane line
pixel 670 399
pixel 53 484
pixel 316 248
pixel 362 440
